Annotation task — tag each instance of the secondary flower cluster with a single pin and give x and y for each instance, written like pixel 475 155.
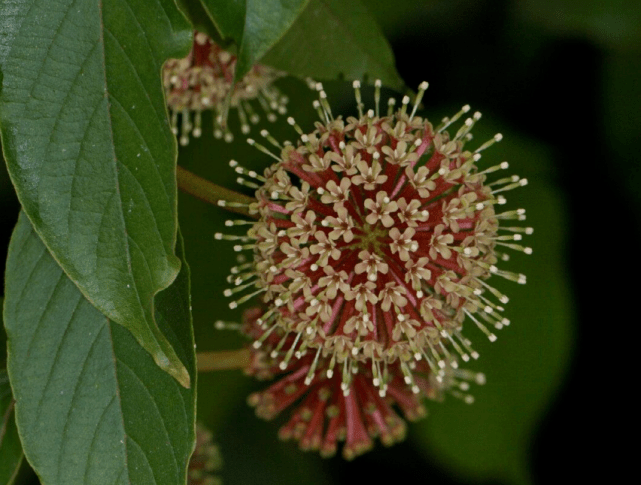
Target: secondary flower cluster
pixel 375 239
pixel 204 80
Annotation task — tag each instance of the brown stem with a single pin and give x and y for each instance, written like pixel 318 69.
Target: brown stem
pixel 210 192
pixel 222 360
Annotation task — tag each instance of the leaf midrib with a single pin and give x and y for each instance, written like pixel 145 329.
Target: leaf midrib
pixel 112 150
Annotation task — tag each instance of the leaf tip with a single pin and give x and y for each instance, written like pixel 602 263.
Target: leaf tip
pixel 176 370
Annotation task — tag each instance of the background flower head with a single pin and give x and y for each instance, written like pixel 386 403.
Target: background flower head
pixel 204 81
pixel 375 238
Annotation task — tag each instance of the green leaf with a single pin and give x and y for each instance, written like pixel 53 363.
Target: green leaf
pixel 91 405
pixel 491 439
pixel 89 149
pixel 200 19
pixel 336 38
pixel 10 447
pixel 228 17
pixel 254 25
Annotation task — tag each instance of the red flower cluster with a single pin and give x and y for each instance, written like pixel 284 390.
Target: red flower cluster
pixel 204 80
pixel 375 238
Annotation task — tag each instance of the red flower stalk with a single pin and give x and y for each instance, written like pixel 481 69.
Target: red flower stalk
pixel 203 81
pixel 325 412
pixel 375 240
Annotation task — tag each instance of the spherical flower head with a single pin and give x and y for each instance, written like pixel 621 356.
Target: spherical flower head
pixel 204 81
pixel 205 461
pixel 354 404
pixel 375 240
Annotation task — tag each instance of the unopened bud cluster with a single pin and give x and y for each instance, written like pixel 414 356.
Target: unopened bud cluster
pixel 375 240
pixel 204 80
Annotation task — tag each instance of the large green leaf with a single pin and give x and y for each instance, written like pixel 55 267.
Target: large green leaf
pixel 10 447
pixel 254 25
pixel 91 405
pixel 491 439
pixel 89 148
pixel 336 38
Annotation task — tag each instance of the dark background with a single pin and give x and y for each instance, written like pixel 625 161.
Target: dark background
pixel 567 74
pixel 566 77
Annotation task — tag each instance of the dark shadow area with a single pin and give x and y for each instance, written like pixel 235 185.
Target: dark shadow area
pixel 550 88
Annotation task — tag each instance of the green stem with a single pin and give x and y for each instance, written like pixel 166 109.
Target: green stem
pixel 207 191
pixel 222 360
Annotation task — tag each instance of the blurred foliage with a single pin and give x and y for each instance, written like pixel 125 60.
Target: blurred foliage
pixel 621 102
pixel 615 24
pixel 562 81
pixel 491 438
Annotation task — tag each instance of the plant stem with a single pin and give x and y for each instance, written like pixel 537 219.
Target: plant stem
pixel 207 191
pixel 222 360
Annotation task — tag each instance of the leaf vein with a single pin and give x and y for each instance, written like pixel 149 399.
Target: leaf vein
pixel 58 347
pixel 95 434
pixel 153 400
pixel 142 85
pixel 83 368
pixel 140 449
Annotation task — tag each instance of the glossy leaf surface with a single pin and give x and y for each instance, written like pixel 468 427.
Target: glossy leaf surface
pixel 92 407
pixel 89 148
